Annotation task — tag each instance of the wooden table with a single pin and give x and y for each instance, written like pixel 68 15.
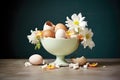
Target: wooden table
pixel 14 69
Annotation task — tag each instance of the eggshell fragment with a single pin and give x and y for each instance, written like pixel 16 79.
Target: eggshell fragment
pixel 85 66
pixel 60 33
pixel 74 66
pixel 27 64
pixel 60 26
pixel 82 60
pixel 36 59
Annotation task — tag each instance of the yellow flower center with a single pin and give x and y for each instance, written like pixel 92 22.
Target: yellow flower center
pixel 70 32
pixel 39 34
pixel 76 22
pixel 93 64
pixel 50 66
pixel 87 36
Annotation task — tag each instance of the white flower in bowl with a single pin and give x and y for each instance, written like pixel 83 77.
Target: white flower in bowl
pixel 76 22
pixel 87 38
pixel 32 38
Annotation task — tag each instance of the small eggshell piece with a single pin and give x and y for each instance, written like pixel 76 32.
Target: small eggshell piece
pixel 74 66
pixel 27 64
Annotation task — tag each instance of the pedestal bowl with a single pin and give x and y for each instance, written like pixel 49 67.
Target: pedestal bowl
pixel 60 48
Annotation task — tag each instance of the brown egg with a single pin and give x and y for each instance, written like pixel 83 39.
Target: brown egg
pixel 60 26
pixel 48 33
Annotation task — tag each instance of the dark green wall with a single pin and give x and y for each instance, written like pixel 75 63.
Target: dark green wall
pixel 102 16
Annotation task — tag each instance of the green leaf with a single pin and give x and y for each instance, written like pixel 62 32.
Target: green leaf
pixel 37 46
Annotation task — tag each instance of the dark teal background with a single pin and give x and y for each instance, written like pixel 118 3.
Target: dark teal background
pixel 24 15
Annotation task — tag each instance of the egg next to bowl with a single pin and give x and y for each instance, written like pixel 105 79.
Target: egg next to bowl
pixel 36 59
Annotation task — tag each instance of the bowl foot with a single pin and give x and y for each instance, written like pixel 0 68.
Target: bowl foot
pixel 60 61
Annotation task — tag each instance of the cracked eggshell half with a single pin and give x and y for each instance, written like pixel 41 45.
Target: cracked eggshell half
pixel 49 26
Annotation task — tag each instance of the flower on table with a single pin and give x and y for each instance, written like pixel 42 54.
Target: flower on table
pixel 50 66
pixel 93 64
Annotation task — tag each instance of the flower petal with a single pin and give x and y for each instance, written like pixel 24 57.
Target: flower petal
pixel 76 29
pixel 68 18
pixel 92 44
pixel 74 17
pixel 80 15
pixel 81 19
pixel 83 23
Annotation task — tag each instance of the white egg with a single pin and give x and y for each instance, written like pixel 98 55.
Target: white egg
pixel 60 33
pixel 36 59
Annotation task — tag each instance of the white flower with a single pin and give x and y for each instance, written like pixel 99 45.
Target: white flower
pixel 87 38
pixel 32 38
pixel 76 22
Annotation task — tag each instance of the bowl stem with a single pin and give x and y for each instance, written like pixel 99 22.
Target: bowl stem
pixel 60 60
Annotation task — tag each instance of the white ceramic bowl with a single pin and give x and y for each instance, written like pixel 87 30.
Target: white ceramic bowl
pixel 60 48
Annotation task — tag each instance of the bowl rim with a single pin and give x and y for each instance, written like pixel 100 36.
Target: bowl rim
pixel 58 38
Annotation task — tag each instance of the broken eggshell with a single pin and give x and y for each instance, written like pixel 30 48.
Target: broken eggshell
pixel 49 26
pixel 82 60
